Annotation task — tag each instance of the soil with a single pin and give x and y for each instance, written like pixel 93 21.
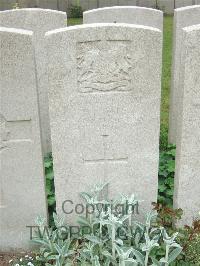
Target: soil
pixel 6 257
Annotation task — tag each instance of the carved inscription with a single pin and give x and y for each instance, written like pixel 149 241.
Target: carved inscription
pixel 104 66
pixel 106 159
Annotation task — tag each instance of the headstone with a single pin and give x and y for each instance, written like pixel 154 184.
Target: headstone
pixel 182 3
pixel 39 21
pixel 167 6
pixel 85 4
pixel 183 17
pixel 48 4
pixel 147 3
pixel 7 4
pixel 103 80
pixel 125 14
pixel 27 3
pixel 62 5
pixel 106 3
pixel 22 191
pixel 187 175
pixel 127 2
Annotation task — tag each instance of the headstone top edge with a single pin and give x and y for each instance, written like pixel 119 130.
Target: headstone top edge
pixel 123 7
pixel 39 10
pixel 186 8
pixel 16 31
pixel 192 28
pixel 102 26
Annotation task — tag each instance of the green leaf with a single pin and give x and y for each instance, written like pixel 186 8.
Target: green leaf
pixel 51 200
pixel 49 189
pixel 140 258
pixel 85 196
pixel 155 262
pixel 48 163
pixel 93 239
pixel 49 174
pixel 169 192
pixel 107 254
pixel 171 166
pixel 162 188
pixel 83 221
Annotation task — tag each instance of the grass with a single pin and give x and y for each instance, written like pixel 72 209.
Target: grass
pixel 166 74
pixel 166 78
pixel 74 21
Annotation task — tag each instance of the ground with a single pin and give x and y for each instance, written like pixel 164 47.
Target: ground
pixel 5 258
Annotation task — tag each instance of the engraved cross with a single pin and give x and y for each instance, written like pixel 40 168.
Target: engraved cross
pixel 105 159
pixel 10 132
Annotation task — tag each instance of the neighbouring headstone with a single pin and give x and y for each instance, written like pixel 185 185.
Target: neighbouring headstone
pixel 22 190
pixel 39 21
pixel 27 3
pixel 187 174
pixel 147 3
pixel 127 2
pixel 107 3
pixel 103 80
pixel 183 17
pixel 7 4
pixel 125 14
pixel 50 4
pixel 167 6
pixel 182 3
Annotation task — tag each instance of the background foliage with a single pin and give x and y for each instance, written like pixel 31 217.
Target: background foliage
pixel 166 176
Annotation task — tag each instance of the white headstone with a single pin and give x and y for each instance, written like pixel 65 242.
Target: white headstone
pixel 39 21
pixel 183 17
pixel 103 80
pixel 106 3
pixel 127 2
pixel 182 3
pixel 167 6
pixel 7 4
pixel 49 4
pixel 125 14
pixel 187 176
pixel 22 191
pixel 27 3
pixel 147 3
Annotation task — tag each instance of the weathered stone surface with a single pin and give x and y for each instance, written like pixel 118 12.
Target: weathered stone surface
pixel 183 17
pixel 182 3
pixel 106 3
pixel 27 3
pixel 127 3
pixel 39 21
pixel 22 191
pixel 167 6
pixel 147 3
pixel 49 4
pixel 7 4
pixel 125 14
pixel 103 80
pixel 187 176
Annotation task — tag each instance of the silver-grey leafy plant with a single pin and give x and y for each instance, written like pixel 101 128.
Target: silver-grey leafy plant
pixel 115 238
